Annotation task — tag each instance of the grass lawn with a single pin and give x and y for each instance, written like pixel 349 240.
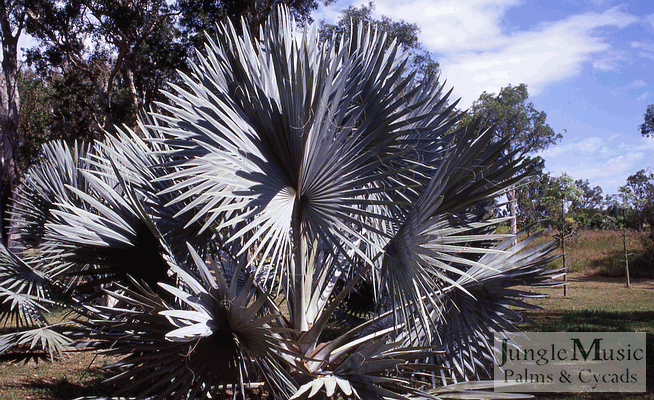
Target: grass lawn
pixel 599 304
pixel 76 376
pixel 597 301
pixel 79 374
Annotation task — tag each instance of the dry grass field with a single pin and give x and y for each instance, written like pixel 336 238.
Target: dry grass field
pixel 601 253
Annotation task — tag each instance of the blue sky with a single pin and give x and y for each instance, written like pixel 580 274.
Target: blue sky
pixel 589 64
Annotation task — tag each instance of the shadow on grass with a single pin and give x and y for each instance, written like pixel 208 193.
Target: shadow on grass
pixel 91 383
pixel 24 357
pixel 599 321
pixel 591 321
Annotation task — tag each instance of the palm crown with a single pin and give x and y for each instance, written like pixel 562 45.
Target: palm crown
pixel 283 178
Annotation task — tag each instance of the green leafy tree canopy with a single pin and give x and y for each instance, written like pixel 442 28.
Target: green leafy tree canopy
pixel 515 119
pixel 647 127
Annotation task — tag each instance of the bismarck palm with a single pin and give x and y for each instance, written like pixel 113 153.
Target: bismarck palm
pixel 302 172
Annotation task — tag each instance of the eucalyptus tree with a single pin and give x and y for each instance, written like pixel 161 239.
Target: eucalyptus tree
pixel 116 54
pixel 647 127
pixel 12 23
pixel 233 225
pixel 515 120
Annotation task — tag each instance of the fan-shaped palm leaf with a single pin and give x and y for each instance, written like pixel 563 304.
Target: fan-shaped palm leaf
pixel 22 290
pixel 25 294
pixel 466 338
pixel 218 335
pixel 144 162
pixel 111 229
pixel 47 184
pixel 440 237
pixel 364 372
pixel 286 143
pixel 48 337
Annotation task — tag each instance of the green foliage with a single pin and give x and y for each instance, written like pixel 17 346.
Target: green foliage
pixel 545 199
pixel 514 119
pixel 589 198
pixel 531 210
pixel 639 192
pixel 561 193
pixel 647 127
pixel 34 126
pixel 296 169
pixel 102 60
pixel 113 54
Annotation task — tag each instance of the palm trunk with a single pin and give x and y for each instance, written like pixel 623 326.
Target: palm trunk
pixel 298 299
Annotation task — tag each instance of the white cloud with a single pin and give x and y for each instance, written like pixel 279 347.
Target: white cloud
pixel 600 149
pixel 637 84
pixel 477 53
pixel 601 3
pixel 645 144
pixel 615 169
pixel 604 162
pixel 647 49
pixel 585 148
pixel 448 25
pixel 606 151
pixel 611 61
pixel 645 96
pixel 643 46
pixel 650 19
pixel 549 54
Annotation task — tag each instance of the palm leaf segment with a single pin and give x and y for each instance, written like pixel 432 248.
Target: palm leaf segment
pixel 76 213
pixel 94 220
pixel 143 162
pixel 22 289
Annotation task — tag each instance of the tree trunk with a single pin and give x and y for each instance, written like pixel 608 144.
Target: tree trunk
pixel 565 267
pixel 511 196
pixel 132 88
pixel 624 247
pixel 9 111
